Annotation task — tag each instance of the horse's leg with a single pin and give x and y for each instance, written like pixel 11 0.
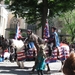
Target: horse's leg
pixel 48 68
pixel 57 53
pixel 61 67
pixel 20 64
pixel 58 59
pixel 50 51
pixel 62 63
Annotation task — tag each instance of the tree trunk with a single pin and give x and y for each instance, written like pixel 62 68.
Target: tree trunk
pixel 72 39
pixel 44 14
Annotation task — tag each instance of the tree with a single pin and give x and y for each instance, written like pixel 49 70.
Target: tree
pixel 37 11
pixel 69 23
pixel 6 1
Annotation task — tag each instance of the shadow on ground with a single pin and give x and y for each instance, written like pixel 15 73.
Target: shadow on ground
pixel 15 70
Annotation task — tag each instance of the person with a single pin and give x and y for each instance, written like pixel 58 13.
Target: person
pixel 56 43
pixel 50 42
pixel 31 37
pixel 40 61
pixel 56 40
pixel 53 43
pixel 69 65
pixel 20 37
pixel 6 54
pixel 53 40
pixel 13 53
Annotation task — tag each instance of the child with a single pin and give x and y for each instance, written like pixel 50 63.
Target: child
pixel 40 61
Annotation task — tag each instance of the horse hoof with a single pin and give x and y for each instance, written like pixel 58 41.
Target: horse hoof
pixel 31 72
pixel 48 72
pixel 60 70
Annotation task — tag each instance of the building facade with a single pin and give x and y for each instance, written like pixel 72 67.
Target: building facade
pixel 3 20
pixel 12 23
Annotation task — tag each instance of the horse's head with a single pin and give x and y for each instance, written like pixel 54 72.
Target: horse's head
pixel 19 44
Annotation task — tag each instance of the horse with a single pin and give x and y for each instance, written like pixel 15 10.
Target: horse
pixel 20 45
pixel 62 53
pixel 22 51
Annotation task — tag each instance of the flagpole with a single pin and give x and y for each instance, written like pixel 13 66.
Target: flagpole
pixel 17 26
pixel 48 12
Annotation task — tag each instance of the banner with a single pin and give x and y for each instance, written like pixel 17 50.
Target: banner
pixel 46 30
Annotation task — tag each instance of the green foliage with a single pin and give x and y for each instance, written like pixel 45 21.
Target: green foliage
pixel 24 34
pixel 12 34
pixel 7 1
pixel 34 11
pixel 69 23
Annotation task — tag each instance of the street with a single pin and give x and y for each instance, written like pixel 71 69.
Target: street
pixel 8 68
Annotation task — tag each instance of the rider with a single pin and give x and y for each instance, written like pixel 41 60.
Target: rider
pixel 31 37
pixel 51 43
pixel 56 37
pixel 53 40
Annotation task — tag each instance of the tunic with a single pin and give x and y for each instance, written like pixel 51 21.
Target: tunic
pixel 41 63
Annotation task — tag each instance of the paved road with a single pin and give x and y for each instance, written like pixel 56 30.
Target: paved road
pixel 8 68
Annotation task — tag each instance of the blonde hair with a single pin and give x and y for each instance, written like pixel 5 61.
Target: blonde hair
pixel 42 50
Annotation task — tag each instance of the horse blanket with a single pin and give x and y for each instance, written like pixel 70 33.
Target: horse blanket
pixel 18 44
pixel 21 55
pixel 63 53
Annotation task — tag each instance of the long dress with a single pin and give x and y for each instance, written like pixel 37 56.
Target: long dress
pixel 40 63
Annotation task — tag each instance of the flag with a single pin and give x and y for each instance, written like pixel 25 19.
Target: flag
pixel 18 32
pixel 46 30
pixel 63 53
pixel 53 58
pixel 21 55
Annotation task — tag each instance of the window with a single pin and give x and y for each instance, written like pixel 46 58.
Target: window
pixel 32 27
